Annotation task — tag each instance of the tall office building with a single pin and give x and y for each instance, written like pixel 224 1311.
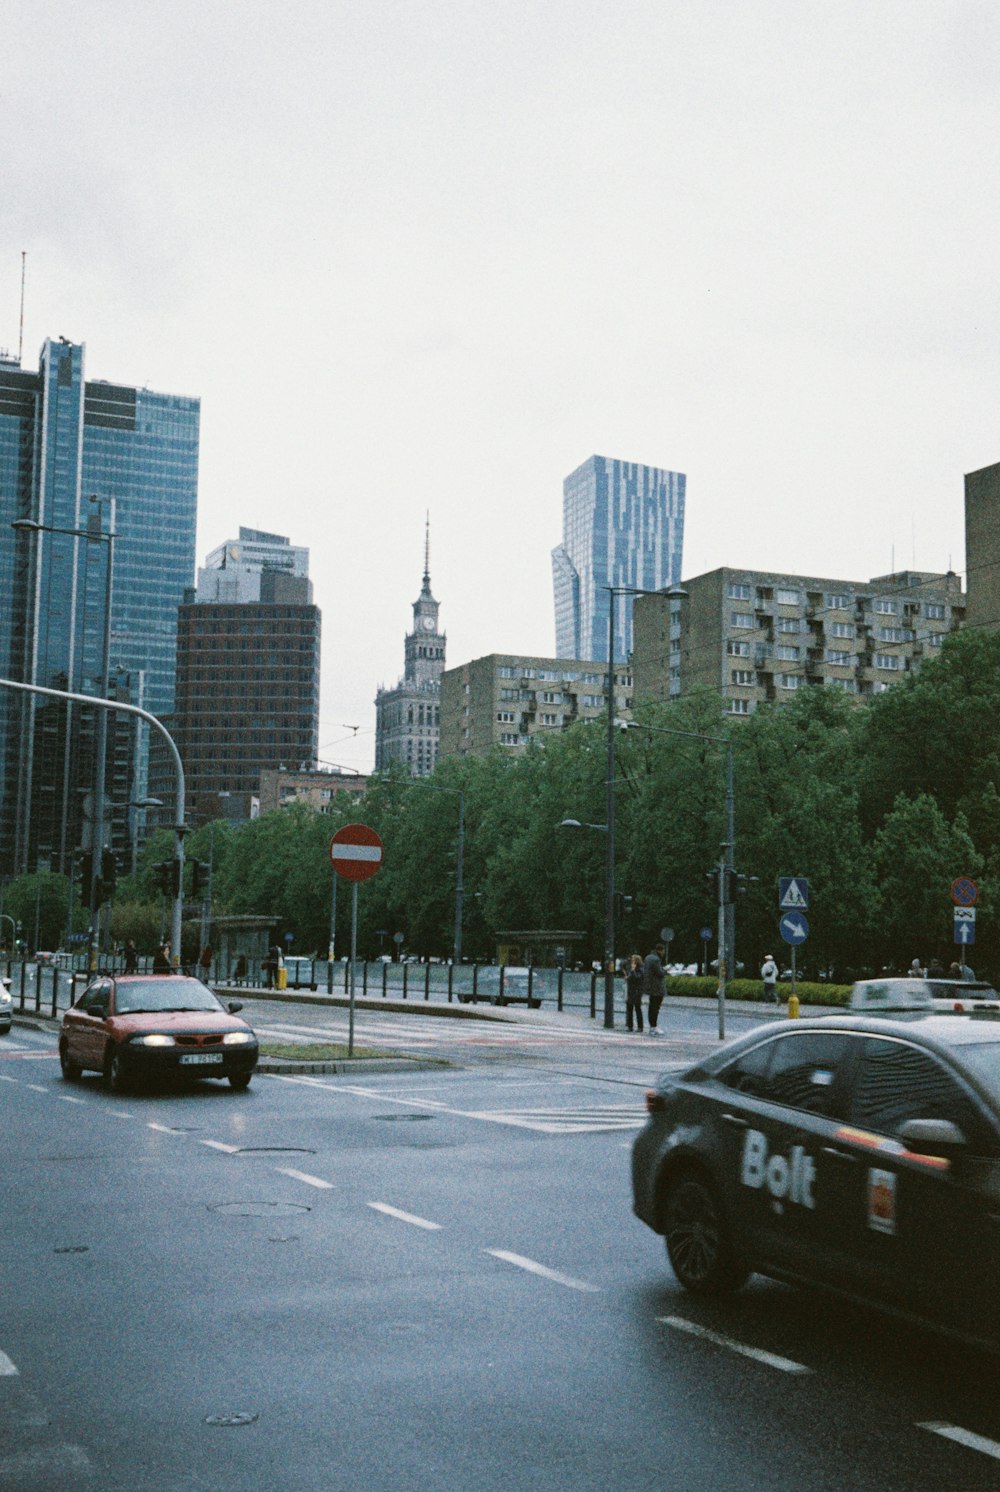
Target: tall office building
pixel 248 661
pixel 623 525
pixel 408 717
pixel 80 454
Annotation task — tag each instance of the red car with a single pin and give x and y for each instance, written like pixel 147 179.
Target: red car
pixel 134 1026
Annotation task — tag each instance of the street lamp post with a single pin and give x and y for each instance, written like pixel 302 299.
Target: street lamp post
pixel 727 940
pixel 92 536
pixel 672 592
pixel 180 828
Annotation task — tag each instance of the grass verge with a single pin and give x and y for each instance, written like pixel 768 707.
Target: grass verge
pixel 320 1051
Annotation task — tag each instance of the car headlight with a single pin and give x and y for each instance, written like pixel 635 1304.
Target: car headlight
pixel 156 1040
pixel 6 997
pixel 237 1038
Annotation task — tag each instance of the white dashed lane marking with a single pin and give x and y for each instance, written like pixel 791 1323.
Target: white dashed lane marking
pixel 304 1176
pixel 769 1359
pixel 405 1217
pixel 219 1145
pixel 963 1437
pixel 7 1368
pixel 533 1267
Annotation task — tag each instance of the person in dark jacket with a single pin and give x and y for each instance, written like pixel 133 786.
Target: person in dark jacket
pixel 161 960
pixel 633 993
pixel 131 958
pixel 653 985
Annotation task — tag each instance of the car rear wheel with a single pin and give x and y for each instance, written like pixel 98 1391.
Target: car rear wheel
pixel 699 1242
pixel 114 1073
pixel 70 1071
pixel 240 1081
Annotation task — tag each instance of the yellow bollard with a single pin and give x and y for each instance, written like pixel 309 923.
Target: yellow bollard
pixel 793 1006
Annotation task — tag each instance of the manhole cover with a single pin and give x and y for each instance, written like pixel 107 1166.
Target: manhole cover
pixel 402 1118
pixel 73 1248
pixel 259 1209
pixel 231 1421
pixel 273 1150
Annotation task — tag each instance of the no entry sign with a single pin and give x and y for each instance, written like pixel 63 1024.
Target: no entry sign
pixel 356 852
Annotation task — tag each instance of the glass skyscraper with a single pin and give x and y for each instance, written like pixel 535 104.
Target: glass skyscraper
pixel 623 525
pixel 80 455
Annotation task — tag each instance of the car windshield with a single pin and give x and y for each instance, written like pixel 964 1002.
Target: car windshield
pixel 163 993
pixel 983 1061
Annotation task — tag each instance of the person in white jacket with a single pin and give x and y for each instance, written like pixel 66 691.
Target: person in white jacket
pixel 769 974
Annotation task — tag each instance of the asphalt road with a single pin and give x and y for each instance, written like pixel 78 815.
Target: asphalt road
pixel 423 1280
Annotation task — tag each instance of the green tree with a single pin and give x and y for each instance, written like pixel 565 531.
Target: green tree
pixel 918 853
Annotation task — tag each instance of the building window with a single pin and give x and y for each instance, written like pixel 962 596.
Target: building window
pixel 887 660
pixel 506 717
pixel 842 629
pixel 789 680
pixel 737 592
pixel 787 598
pixel 935 639
pixel 848 685
pixel 842 660
pixel 934 613
pixel 786 653
pixel 741 619
pixel 788 624
pixel 895 634
pixel 737 707
pixel 885 608
pixel 550 719
pixel 738 649
pixel 742 675
pixel 837 601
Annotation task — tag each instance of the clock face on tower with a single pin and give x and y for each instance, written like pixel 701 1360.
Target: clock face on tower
pixel 427 623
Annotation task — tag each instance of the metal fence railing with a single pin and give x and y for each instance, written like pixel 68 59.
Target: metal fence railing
pixel 48 989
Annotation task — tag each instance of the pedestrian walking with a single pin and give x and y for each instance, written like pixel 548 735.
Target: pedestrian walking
pixel 131 958
pixel 769 974
pixel 161 960
pixel 633 993
pixel 205 962
pixel 240 972
pixel 653 986
pixel 915 971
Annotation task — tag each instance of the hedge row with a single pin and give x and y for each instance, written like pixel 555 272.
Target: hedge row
pixel 751 989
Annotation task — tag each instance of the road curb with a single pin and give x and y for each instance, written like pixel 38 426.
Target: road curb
pixel 288 1067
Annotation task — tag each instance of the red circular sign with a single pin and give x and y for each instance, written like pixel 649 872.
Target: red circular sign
pixel 356 852
pixel 964 892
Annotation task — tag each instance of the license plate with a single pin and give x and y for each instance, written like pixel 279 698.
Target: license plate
pixel 201 1058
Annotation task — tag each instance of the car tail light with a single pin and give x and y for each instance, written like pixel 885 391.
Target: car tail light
pixel 959 1007
pixel 654 1101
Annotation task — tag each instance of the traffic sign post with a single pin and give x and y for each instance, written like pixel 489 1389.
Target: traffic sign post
pixel 356 855
pixel 964 892
pixel 965 926
pixel 794 929
pixel 793 893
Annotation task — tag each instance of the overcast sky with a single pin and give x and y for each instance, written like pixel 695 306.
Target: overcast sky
pixel 432 256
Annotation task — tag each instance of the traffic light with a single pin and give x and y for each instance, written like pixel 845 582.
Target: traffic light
pixel 166 877
pixel 736 885
pixel 199 877
pixel 109 874
pixel 712 877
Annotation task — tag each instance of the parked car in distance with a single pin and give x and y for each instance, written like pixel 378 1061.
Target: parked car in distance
pixel 301 971
pixel 6 1007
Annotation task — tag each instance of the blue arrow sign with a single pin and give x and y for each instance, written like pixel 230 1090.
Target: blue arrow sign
pixel 965 929
pixel 793 927
pixel 706 934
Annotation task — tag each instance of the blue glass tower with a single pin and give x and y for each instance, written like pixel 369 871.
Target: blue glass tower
pixel 623 524
pixel 78 455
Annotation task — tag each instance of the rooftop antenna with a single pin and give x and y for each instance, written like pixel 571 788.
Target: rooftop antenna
pixel 427 551
pixel 20 339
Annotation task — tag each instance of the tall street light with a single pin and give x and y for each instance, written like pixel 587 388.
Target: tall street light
pixel 93 536
pixel 727 950
pixel 673 593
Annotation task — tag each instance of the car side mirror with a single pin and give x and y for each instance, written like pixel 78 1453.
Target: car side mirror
pixel 234 1006
pixel 928 1136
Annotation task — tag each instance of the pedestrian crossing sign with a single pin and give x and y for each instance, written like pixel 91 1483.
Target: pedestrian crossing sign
pixel 793 891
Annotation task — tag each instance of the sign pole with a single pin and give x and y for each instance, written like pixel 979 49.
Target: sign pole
pixel 722 950
pixel 354 959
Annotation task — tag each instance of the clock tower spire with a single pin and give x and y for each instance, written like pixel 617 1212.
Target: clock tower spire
pixel 407 725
